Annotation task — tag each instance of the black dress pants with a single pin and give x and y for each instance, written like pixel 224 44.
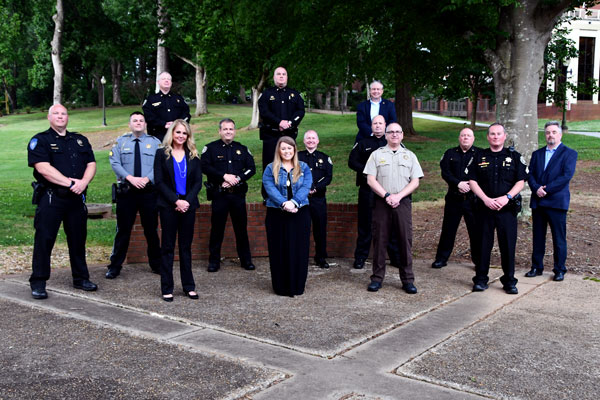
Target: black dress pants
pixel 504 222
pixel 174 223
pixel 50 212
pixel 288 238
pixel 128 206
pixel 455 208
pixel 224 204
pixel 318 217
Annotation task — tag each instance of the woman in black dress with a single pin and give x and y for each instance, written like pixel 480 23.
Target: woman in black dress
pixel 178 177
pixel 287 182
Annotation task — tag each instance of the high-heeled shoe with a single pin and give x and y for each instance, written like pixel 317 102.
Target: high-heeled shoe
pixel 192 296
pixel 167 299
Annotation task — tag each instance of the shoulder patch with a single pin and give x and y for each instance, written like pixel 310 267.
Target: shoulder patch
pixel 329 160
pixel 110 153
pixel 355 144
pixel 144 103
pixel 522 159
pixel 32 143
pixel 249 151
pixel 204 149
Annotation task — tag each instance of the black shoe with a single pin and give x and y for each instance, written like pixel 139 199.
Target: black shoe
pixel 247 267
pixel 191 296
pixel 112 273
pixel 374 286
pixel 85 285
pixel 479 287
pixel 322 263
pixel 39 294
pixel 167 299
pixel 438 264
pixel 359 263
pixel 559 276
pixel 409 288
pixel 534 272
pixel 213 267
pixel 511 290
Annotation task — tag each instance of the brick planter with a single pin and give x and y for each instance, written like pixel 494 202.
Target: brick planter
pixel 341 234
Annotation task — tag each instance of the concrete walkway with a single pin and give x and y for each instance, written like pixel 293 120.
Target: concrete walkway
pixel 337 341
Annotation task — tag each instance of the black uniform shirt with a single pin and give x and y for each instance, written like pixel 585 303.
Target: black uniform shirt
pixel 160 108
pixel 497 172
pixel 277 104
pixel 454 166
pixel 219 158
pixel 360 155
pixel 321 166
pixel 69 154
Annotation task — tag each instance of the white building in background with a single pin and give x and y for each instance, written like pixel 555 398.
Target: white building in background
pixel 585 33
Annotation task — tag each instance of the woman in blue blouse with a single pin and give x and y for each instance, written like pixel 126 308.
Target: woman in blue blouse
pixel 178 177
pixel 287 182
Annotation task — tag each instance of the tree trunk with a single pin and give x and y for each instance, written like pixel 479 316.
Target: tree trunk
pixel 475 101
pixel 344 99
pixel 336 98
pixel 517 64
pixel 116 68
pixel 200 79
pixel 328 100
pixel 403 104
pixel 56 51
pixel 256 92
pixel 161 51
pixel 242 95
pixel 319 100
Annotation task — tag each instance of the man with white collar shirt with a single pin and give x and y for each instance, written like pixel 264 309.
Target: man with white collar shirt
pixel 369 109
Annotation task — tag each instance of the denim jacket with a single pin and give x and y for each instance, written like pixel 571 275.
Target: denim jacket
pixel 277 194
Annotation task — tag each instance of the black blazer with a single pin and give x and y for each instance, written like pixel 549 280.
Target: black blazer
pixel 164 179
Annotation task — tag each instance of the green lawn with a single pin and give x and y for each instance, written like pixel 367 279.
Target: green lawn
pixel 336 132
pixel 583 126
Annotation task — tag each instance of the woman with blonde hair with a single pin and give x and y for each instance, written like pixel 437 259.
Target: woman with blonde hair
pixel 178 177
pixel 287 182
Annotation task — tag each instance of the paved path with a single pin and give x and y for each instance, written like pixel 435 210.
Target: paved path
pixel 388 361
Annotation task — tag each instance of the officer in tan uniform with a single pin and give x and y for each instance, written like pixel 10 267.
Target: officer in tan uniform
pixel 393 173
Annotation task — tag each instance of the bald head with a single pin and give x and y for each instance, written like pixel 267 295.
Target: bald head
pixel 311 140
pixel 58 118
pixel 466 139
pixel 378 126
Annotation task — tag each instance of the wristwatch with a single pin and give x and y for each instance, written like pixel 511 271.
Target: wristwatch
pixel 385 196
pixel 509 196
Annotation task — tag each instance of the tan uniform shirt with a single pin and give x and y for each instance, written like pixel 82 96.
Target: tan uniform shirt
pixel 393 170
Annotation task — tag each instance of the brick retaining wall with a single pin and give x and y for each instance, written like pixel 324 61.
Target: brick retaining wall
pixel 341 233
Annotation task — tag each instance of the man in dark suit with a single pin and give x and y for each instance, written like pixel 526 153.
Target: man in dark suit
pixel 369 109
pixel 550 171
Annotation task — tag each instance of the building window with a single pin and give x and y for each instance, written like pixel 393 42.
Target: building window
pixel 585 68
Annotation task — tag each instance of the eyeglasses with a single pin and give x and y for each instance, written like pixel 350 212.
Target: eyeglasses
pixel 394 132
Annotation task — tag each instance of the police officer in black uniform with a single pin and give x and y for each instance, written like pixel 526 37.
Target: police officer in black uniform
pixel 497 175
pixel 321 167
pixel 281 111
pixel 132 160
pixel 162 108
pixel 64 165
pixel 356 161
pixel 228 165
pixel 459 199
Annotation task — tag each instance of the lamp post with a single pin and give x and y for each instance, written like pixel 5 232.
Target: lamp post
pixel 103 82
pixel 564 128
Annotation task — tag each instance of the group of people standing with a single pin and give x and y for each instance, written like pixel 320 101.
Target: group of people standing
pixel 159 174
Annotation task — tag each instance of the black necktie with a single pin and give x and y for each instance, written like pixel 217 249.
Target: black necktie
pixel 137 163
